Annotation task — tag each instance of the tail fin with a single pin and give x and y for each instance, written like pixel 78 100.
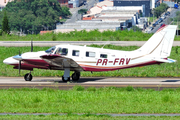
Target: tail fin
pixel 160 43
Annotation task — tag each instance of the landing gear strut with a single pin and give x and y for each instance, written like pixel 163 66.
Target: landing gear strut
pixel 65 79
pixel 66 76
pixel 28 76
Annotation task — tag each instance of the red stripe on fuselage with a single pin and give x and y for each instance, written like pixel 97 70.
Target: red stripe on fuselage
pixel 98 69
pixel 25 66
pixel 36 62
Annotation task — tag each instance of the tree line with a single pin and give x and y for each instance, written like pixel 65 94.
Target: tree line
pixel 160 9
pixel 32 16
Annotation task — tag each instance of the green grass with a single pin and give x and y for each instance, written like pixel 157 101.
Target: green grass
pixel 163 70
pixel 151 18
pixel 100 100
pixel 93 35
pixel 86 117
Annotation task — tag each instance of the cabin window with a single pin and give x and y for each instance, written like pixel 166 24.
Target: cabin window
pixel 62 51
pixel 103 55
pixel 90 54
pixel 75 53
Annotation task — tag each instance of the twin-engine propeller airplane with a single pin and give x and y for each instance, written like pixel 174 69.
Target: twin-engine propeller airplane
pixel 82 58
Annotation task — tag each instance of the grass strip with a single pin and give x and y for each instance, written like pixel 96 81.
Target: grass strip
pixel 89 101
pixel 162 70
pixel 88 117
pixel 93 35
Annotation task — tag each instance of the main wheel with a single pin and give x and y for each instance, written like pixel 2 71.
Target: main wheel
pixel 65 80
pixel 28 77
pixel 76 76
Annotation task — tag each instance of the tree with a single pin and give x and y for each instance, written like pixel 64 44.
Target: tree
pixel 65 11
pixel 160 9
pixel 34 15
pixel 5 24
pixel 82 11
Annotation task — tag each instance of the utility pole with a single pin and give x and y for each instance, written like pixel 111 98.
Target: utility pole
pixel 153 15
pixel 177 27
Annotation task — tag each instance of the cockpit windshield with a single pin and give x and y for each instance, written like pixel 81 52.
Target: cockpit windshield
pixel 51 50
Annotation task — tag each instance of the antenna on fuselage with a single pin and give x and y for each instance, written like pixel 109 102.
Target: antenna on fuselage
pixel 31 45
pixel 105 44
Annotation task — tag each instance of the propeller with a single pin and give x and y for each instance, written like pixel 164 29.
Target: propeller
pixel 18 57
pixel 31 45
pixel 19 66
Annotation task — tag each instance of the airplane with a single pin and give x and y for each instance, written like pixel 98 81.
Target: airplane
pixel 82 58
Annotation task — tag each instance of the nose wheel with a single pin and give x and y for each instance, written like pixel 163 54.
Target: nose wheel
pixel 28 77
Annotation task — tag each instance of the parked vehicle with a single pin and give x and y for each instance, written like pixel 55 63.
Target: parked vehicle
pixel 167 13
pixel 151 28
pixel 160 20
pixel 163 16
pixel 154 25
pixel 148 30
pixel 176 6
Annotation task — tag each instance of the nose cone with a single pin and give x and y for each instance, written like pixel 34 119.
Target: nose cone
pixel 17 57
pixel 10 61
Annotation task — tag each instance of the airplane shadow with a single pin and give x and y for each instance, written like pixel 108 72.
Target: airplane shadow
pixel 171 81
pixel 81 80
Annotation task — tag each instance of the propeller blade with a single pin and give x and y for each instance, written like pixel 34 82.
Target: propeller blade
pixel 31 45
pixel 19 67
pixel 19 53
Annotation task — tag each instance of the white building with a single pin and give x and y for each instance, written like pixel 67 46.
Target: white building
pixel 154 3
pixel 3 3
pixel 75 3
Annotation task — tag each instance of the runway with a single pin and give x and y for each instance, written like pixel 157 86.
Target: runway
pixel 53 43
pixel 55 82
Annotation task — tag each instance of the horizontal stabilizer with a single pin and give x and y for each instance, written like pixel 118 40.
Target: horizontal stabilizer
pixel 168 60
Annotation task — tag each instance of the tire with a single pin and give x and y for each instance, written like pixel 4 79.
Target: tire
pixel 76 76
pixel 28 77
pixel 65 80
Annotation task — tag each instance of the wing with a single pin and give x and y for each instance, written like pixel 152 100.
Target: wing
pixel 58 62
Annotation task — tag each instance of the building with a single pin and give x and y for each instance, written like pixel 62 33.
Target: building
pixel 3 3
pixel 63 2
pixel 97 9
pixel 169 3
pixel 145 3
pixel 75 3
pixel 155 3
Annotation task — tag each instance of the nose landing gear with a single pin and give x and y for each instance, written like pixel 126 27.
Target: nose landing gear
pixel 28 76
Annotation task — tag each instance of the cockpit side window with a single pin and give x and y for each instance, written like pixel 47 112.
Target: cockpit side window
pixel 62 51
pixel 51 50
pixel 58 51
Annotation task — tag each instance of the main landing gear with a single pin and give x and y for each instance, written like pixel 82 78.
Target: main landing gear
pixel 75 77
pixel 66 76
pixel 28 76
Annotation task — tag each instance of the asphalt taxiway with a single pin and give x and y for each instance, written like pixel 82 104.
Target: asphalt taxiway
pixel 53 43
pixel 55 82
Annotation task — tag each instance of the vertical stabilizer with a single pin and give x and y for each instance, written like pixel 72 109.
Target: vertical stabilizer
pixel 160 43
